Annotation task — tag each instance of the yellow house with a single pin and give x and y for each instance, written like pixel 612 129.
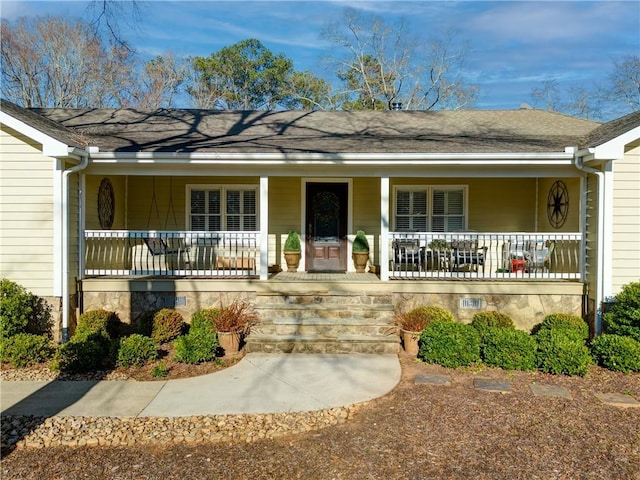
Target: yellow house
pixel 135 210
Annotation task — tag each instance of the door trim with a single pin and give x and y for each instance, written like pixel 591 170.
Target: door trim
pixel 303 213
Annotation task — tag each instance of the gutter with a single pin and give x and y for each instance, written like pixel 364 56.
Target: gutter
pixel 579 163
pixel 65 236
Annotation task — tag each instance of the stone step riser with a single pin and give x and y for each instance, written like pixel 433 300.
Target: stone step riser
pixel 310 329
pixel 323 323
pixel 292 346
pixel 328 299
pixel 337 315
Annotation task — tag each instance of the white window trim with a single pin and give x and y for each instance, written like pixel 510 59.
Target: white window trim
pixel 223 187
pixel 429 189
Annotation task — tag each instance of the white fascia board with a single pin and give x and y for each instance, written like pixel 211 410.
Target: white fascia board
pixel 614 149
pixel 50 146
pixel 552 158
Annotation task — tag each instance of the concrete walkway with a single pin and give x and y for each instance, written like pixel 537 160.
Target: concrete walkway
pixel 259 383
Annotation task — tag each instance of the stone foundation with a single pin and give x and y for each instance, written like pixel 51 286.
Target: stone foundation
pixel 130 305
pixel 525 310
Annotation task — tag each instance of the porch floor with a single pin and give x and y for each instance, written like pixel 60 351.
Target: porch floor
pixel 334 277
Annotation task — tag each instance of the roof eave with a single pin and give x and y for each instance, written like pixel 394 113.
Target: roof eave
pixel 333 158
pixel 51 147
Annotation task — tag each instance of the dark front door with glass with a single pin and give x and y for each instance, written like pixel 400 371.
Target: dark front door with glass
pixel 326 222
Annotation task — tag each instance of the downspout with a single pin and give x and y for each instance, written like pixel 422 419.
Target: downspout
pixel 579 163
pixel 65 237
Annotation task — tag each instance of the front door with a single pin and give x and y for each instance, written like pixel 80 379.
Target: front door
pixel 326 235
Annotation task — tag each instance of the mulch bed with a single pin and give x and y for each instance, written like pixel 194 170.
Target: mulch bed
pixel 414 432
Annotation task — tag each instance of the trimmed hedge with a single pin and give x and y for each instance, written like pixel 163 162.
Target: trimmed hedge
pixel 24 349
pixel 196 347
pixel 572 326
pixel 204 319
pixel 484 321
pixel 616 352
pixel 167 325
pixel 559 353
pixel 100 322
pixel 79 355
pixel 509 348
pixel 22 312
pixel 449 344
pixel 136 350
pixel 623 316
pixel 416 319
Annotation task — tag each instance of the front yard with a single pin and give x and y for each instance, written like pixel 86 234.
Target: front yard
pixel 416 431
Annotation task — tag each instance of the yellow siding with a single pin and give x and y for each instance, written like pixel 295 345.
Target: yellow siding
pixel 626 220
pixel 26 213
pixel 91 208
pixel 366 206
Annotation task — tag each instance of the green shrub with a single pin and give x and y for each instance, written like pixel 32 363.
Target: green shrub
pixel 79 355
pixel 160 370
pixel 167 325
pixel 24 349
pixel 416 319
pixel 136 350
pixel 616 352
pixel 196 347
pixel 101 322
pixel 483 320
pixel 204 319
pixel 623 316
pixel 15 308
pixel 558 353
pixel 571 326
pixel 508 348
pixel 449 344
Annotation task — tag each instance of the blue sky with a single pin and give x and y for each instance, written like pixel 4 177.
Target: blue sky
pixel 513 45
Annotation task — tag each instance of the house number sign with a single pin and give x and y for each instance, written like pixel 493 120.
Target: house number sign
pixel 106 204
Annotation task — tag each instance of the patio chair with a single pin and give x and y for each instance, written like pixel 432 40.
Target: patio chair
pixel 407 253
pixel 155 255
pixel 467 253
pixel 538 255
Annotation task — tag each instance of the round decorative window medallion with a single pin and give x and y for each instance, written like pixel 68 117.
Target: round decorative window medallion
pixel 106 204
pixel 557 204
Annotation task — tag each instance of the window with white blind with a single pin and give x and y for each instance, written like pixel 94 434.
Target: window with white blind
pixel 427 208
pixel 224 207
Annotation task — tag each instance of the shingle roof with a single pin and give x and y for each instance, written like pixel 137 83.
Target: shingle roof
pixel 609 131
pixel 47 126
pixel 463 131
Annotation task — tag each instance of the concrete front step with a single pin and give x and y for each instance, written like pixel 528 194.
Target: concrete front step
pixel 300 343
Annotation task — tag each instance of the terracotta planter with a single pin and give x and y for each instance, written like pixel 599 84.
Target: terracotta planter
pixel 410 341
pixel 230 342
pixel 293 260
pixel 360 260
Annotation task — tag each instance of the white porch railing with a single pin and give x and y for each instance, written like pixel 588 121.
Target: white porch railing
pixel 485 255
pixel 414 255
pixel 171 253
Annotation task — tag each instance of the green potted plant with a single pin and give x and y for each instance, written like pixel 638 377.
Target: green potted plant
pixel 360 251
pixel 292 251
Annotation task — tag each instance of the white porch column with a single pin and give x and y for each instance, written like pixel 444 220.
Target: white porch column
pixel 607 233
pixel 264 228
pixel 384 228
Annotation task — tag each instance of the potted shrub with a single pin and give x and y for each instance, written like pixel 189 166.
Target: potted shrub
pixel 414 321
pixel 292 251
pixel 232 324
pixel 360 251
